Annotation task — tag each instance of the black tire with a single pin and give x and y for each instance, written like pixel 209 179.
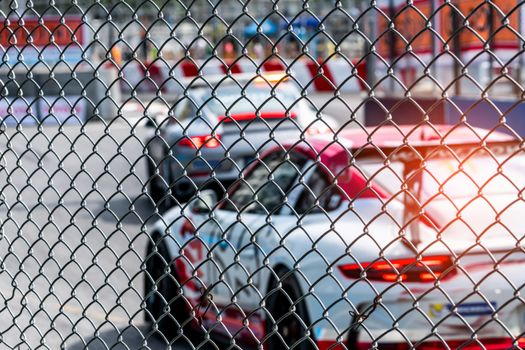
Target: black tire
pixel 166 309
pixel 156 186
pixel 162 195
pixel 155 192
pixel 182 197
pixel 292 326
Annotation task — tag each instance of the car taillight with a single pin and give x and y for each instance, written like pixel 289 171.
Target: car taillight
pixel 427 269
pixel 207 141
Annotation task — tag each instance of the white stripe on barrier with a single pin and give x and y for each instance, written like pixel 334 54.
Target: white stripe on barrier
pixel 344 75
pixel 133 74
pixel 301 73
pixel 247 66
pixel 337 72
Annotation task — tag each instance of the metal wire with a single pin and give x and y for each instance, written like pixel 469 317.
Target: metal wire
pixel 261 174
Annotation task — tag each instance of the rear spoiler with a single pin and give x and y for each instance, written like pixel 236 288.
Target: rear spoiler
pixel 412 156
pixel 411 152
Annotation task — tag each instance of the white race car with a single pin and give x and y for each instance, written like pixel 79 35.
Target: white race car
pixel 389 238
pixel 219 124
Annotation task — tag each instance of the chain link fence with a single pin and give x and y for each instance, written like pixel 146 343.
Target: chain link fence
pixel 264 174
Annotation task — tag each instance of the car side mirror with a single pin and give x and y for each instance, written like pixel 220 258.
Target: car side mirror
pixel 204 202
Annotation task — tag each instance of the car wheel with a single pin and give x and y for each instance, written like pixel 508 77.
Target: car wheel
pixel 287 314
pixel 155 191
pixel 156 186
pixel 166 308
pixel 182 196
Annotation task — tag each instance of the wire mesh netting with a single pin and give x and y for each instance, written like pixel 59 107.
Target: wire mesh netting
pixel 270 174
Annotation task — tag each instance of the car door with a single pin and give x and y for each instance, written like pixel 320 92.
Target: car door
pixel 241 223
pixel 313 220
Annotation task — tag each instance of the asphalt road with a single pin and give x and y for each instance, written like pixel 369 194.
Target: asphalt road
pixel 73 216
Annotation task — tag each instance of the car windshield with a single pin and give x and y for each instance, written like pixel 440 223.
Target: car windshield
pixel 264 188
pixel 259 96
pixel 461 173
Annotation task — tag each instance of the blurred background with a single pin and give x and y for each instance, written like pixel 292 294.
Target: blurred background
pixel 464 48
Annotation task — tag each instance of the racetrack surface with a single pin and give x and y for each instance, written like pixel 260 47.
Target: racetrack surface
pixel 74 215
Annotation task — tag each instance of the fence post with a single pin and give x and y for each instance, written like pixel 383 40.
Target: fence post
pixel 370 49
pixel 456 49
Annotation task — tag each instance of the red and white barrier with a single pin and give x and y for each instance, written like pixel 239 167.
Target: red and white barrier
pixel 169 77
